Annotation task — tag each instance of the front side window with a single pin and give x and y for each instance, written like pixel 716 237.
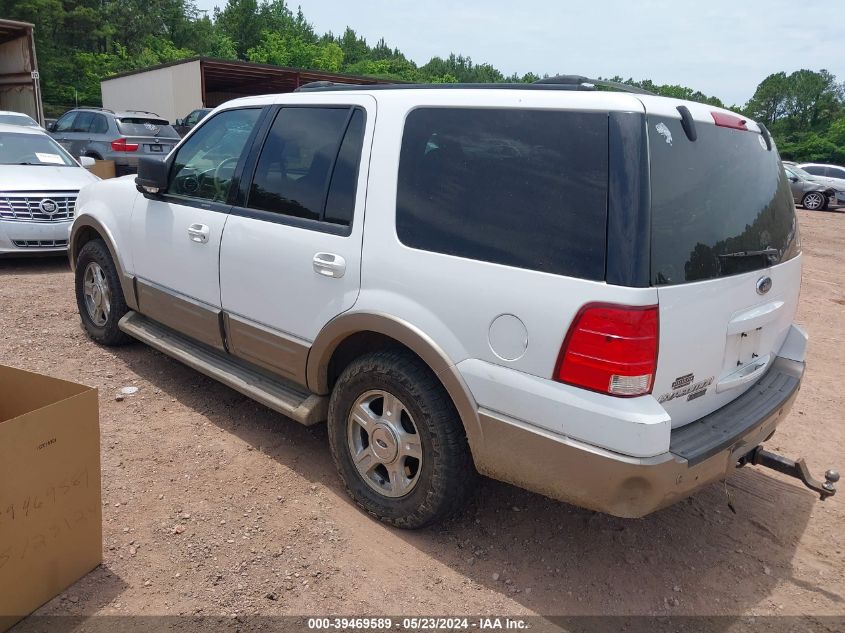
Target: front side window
pixel 816 170
pixel 65 124
pixel 308 166
pixel 204 166
pixel 522 188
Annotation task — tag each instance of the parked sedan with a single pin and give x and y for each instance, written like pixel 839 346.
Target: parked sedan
pixel 831 175
pixel 18 118
pixel 807 191
pixel 39 183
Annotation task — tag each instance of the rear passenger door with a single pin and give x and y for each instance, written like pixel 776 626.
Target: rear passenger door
pixel 291 253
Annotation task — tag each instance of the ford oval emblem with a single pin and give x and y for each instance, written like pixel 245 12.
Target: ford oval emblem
pixel 764 284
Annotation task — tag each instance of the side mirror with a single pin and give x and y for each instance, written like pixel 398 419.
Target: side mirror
pixel 87 162
pixel 793 179
pixel 153 173
pixel 179 122
pixel 52 127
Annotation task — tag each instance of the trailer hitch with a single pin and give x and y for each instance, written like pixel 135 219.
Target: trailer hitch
pixel 797 469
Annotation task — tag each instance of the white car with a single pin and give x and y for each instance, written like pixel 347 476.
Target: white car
pixel 39 183
pixel 18 118
pixel 586 293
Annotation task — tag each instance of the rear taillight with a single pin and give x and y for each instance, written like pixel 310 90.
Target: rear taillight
pixel 120 145
pixel 611 349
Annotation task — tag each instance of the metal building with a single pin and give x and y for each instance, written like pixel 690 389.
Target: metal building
pixel 20 89
pixel 173 90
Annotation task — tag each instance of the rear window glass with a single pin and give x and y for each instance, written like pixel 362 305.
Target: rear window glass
pixel 523 188
pixel 142 126
pixel 714 202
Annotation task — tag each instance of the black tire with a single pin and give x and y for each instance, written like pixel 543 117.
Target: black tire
pixel 814 201
pixel 96 252
pixel 446 474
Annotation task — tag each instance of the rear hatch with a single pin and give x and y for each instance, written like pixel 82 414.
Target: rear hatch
pixel 152 135
pixel 724 257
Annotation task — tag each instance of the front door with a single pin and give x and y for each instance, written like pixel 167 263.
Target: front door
pixel 291 252
pixel 176 236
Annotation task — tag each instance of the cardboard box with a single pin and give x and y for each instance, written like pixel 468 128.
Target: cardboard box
pixel 50 505
pixel 103 169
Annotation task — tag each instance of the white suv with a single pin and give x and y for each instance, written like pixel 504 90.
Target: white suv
pixel 586 293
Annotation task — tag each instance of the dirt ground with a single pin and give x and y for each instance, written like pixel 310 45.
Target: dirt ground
pixel 215 505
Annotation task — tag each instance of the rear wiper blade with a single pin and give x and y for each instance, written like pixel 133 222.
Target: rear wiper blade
pixel 768 252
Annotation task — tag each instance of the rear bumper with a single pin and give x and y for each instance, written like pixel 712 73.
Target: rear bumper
pixel 701 452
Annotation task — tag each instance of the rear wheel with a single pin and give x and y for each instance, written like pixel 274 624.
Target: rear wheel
pixel 99 296
pixel 813 201
pixel 397 440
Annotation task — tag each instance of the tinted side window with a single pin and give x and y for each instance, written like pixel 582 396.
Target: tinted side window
pixel 836 172
pixel 523 188
pixel 65 123
pixel 203 167
pixel 99 125
pixel 816 170
pixel 340 203
pixel 306 150
pixel 83 122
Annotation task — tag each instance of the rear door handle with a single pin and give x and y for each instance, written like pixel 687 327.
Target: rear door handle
pixel 329 265
pixel 198 233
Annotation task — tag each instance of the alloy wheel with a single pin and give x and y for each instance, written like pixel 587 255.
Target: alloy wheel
pixel 384 443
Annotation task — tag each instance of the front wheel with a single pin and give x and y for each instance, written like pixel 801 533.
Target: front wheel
pixel 99 295
pixel 813 201
pixel 397 440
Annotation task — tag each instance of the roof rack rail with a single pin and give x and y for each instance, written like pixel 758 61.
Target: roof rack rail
pixel 85 107
pixel 320 84
pixel 585 83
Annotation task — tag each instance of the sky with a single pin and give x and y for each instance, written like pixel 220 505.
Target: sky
pixel 723 48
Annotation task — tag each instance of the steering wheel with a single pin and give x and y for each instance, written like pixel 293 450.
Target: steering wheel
pixel 219 189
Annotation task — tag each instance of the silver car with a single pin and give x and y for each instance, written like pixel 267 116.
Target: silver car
pixel 118 136
pixel 807 190
pixel 831 175
pixel 39 183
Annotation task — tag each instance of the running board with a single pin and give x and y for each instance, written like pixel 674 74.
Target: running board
pixel 279 394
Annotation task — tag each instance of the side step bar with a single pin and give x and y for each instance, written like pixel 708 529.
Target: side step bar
pixel 279 394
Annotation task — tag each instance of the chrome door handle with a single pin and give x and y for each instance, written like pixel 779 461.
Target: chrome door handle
pixel 329 265
pixel 198 233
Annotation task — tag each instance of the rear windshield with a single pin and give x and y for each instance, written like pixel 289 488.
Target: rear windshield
pixel 141 126
pixel 714 202
pixel 522 188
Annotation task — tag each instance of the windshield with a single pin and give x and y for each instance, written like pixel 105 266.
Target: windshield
pixel 17 119
pixel 721 205
pixel 32 149
pixel 795 169
pixel 146 126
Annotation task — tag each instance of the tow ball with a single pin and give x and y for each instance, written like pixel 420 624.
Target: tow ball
pixel 798 469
